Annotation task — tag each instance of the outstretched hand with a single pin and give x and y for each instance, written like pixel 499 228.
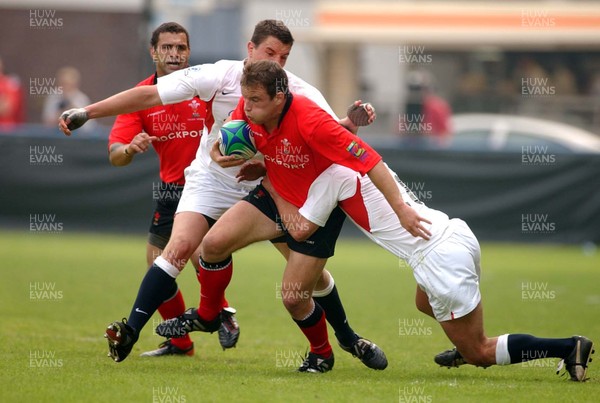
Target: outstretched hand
pixel 72 119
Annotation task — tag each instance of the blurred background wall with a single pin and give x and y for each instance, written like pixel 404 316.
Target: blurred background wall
pixel 477 51
pixel 526 58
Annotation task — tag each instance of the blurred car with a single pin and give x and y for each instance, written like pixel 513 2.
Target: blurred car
pixel 493 132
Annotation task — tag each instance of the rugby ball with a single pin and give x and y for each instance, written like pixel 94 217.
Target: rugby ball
pixel 236 139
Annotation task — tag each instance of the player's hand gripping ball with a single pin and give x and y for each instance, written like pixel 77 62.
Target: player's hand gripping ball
pixel 236 139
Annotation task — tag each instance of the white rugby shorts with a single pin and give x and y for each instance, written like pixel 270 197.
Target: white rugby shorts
pixel 208 194
pixel 449 273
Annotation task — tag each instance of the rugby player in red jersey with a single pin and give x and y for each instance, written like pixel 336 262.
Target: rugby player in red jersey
pixel 299 140
pixel 174 132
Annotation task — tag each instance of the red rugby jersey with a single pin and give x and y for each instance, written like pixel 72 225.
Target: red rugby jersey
pixel 305 143
pixel 177 126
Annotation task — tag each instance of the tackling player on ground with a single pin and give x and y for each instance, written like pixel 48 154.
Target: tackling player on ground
pixel 446 268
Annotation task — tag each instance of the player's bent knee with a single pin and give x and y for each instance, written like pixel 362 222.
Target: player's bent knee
pixel 299 235
pixel 214 248
pixel 294 302
pixel 178 251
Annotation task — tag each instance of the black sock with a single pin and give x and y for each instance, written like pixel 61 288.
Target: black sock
pixel 336 316
pixel 524 347
pixel 312 319
pixel 156 287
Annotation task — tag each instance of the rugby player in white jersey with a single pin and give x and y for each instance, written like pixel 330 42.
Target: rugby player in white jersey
pixel 210 190
pixel 446 269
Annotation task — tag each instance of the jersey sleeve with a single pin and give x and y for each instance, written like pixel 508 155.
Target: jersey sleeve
pixel 335 184
pixel 125 128
pixel 202 81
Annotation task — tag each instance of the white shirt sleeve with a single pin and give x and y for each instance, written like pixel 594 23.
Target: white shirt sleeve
pixel 202 80
pixel 334 184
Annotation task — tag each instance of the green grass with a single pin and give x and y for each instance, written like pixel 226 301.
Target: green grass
pixel 95 280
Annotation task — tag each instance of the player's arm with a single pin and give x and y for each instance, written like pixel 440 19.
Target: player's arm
pixel 131 100
pixel 127 138
pixel 122 154
pixel 335 184
pixel 409 218
pixel 346 149
pixel 298 226
pixel 178 86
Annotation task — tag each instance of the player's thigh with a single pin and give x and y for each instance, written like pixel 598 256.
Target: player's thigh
pixel 240 226
pixel 422 302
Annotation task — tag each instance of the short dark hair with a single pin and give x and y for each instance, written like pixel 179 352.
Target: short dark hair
pixel 267 74
pixel 171 27
pixel 275 28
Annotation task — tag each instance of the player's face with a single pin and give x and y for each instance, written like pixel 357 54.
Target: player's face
pixel 259 107
pixel 171 54
pixel 269 49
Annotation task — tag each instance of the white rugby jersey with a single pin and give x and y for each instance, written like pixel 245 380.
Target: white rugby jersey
pixel 220 82
pixel 367 207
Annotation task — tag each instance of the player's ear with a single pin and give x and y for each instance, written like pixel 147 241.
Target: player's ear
pixel 279 97
pixel 153 54
pixel 250 48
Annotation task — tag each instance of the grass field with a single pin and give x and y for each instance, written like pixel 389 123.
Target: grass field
pixel 59 291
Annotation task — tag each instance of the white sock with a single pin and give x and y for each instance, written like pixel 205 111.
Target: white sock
pixel 166 267
pixel 502 355
pixel 326 291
